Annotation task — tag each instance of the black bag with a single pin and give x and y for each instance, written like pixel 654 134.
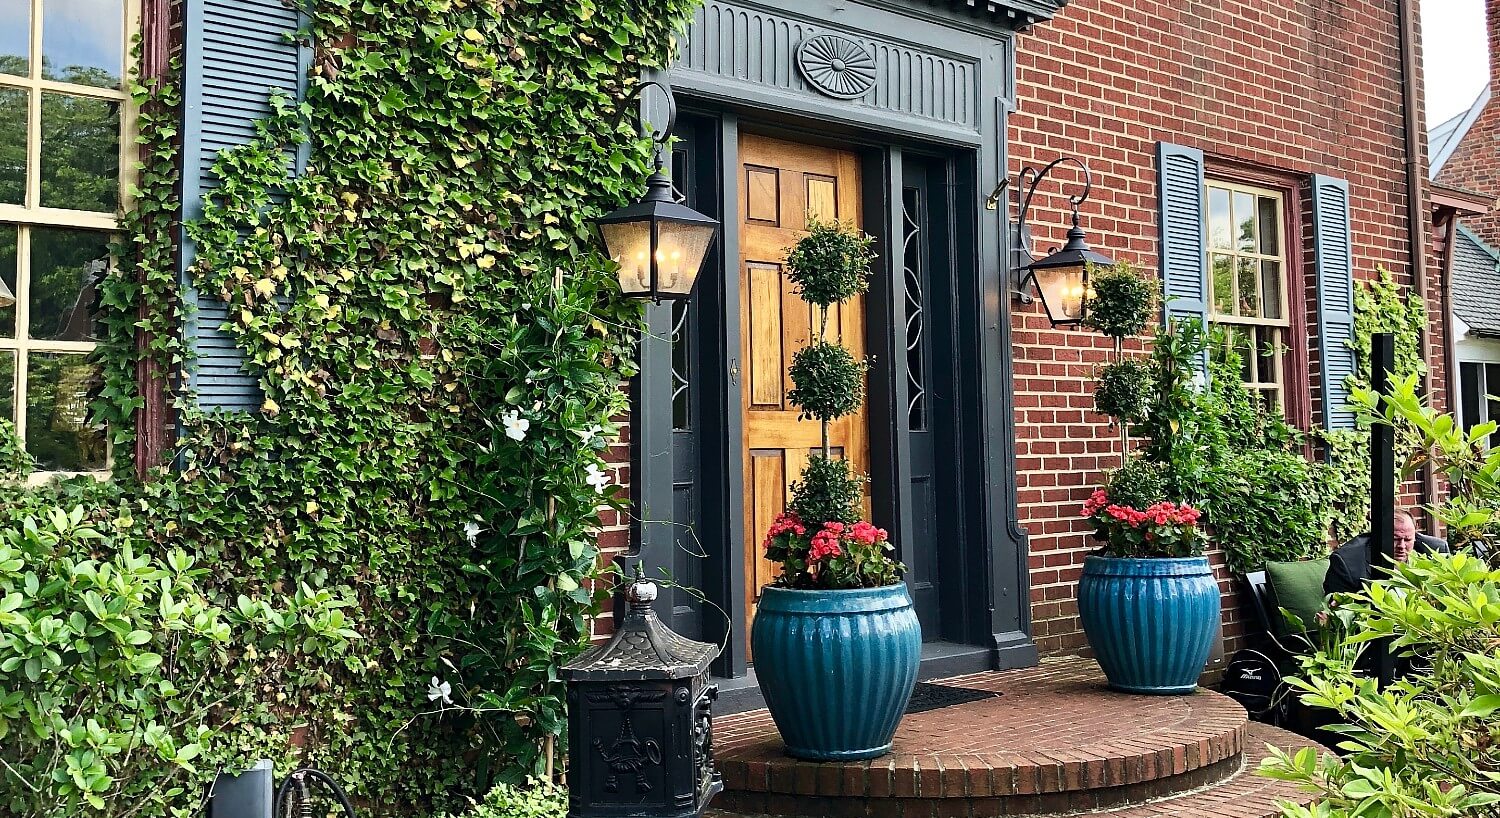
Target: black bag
pixel 1254 681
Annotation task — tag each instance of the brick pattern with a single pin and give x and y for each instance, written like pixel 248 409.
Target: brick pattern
pixel 1056 740
pixel 1265 90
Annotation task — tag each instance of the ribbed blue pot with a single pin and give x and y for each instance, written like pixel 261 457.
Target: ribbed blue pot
pixel 1151 622
pixel 836 667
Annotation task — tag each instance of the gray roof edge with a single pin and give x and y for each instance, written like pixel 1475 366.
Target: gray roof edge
pixel 1440 154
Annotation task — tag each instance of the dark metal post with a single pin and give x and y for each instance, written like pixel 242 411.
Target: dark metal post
pixel 1383 487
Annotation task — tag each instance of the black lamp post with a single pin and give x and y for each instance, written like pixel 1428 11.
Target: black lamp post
pixel 1061 278
pixel 658 243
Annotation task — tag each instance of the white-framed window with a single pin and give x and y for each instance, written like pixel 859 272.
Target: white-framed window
pixel 66 147
pixel 1479 394
pixel 1247 263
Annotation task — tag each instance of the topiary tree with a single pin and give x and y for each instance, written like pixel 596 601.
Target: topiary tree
pixel 1120 303
pixel 821 541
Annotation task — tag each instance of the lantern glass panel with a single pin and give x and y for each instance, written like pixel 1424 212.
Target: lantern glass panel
pixel 629 245
pixel 681 247
pixel 1063 290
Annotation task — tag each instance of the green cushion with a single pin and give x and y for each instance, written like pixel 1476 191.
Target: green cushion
pixel 1298 587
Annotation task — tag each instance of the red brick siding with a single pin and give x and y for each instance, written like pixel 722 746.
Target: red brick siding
pixel 1301 88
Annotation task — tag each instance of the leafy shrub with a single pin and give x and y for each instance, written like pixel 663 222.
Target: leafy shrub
pixel 827 492
pixel 1265 505
pixel 1139 483
pixel 828 382
pixel 105 646
pixel 1123 390
pixel 1121 300
pixel 534 799
pixel 1429 744
pixel 831 264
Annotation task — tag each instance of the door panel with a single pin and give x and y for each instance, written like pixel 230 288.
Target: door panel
pixel 786 184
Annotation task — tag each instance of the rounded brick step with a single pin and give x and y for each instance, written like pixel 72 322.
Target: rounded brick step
pixel 1242 795
pixel 1056 740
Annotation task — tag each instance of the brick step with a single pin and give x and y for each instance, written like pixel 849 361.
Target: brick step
pixel 1242 795
pixel 1056 740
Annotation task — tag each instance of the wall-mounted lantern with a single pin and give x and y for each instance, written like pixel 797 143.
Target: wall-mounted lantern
pixel 659 243
pixel 1061 278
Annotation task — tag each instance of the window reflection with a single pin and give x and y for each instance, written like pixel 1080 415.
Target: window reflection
pixel 65 267
pixel 83 41
pixel 80 152
pixel 15 30
pixel 12 145
pixel 8 278
pixel 58 433
pixel 7 385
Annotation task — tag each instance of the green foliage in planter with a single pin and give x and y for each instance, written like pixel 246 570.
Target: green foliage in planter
pixel 1429 744
pixel 534 799
pixel 831 264
pixel 1140 483
pixel 106 644
pixel 441 346
pixel 1121 301
pixel 827 492
pixel 1123 390
pixel 828 382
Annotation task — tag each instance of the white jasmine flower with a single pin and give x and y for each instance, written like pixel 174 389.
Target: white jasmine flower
pixel 598 478
pixel 439 690
pixel 471 531
pixel 515 425
pixel 588 435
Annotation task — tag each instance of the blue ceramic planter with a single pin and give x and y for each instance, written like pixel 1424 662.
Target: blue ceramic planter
pixel 1151 622
pixel 836 667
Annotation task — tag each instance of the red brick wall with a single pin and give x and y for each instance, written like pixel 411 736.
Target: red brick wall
pixel 1475 165
pixel 1311 86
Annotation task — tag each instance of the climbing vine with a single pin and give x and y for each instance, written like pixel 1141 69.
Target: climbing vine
pixel 440 347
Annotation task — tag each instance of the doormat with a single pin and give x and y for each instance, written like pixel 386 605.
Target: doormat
pixel 928 696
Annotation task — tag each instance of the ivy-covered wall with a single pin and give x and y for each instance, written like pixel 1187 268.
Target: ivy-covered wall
pixel 441 348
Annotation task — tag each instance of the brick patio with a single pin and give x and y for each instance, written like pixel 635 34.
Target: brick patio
pixel 1055 741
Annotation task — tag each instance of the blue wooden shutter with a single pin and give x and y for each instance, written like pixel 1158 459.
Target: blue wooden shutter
pixel 235 52
pixel 1335 287
pixel 1184 234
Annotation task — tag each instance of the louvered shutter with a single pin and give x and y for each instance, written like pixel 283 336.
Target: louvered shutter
pixel 235 52
pixel 1335 289
pixel 1184 234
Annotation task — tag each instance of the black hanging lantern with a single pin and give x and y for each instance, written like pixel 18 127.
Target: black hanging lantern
pixel 640 721
pixel 1062 278
pixel 658 243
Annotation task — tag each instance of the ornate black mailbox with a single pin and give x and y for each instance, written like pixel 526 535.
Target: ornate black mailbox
pixel 640 723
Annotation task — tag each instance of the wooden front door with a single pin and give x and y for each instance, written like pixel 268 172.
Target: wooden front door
pixel 783 185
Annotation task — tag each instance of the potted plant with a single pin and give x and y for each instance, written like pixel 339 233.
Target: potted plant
pixel 1148 600
pixel 835 639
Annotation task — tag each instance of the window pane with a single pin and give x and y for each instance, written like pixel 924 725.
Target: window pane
pixel 1219 229
pixel 65 266
pixel 1471 379
pixel 8 385
pixel 15 36
pixel 1244 222
pixel 8 238
pixel 1270 228
pixel 12 145
pixel 1249 286
pixel 1492 390
pixel 58 433
pixel 1223 284
pixel 80 152
pixel 1268 359
pixel 83 41
pixel 1270 289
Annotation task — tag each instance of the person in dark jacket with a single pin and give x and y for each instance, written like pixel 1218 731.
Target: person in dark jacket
pixel 1350 566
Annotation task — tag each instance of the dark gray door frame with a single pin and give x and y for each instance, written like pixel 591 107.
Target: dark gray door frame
pixel 741 73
